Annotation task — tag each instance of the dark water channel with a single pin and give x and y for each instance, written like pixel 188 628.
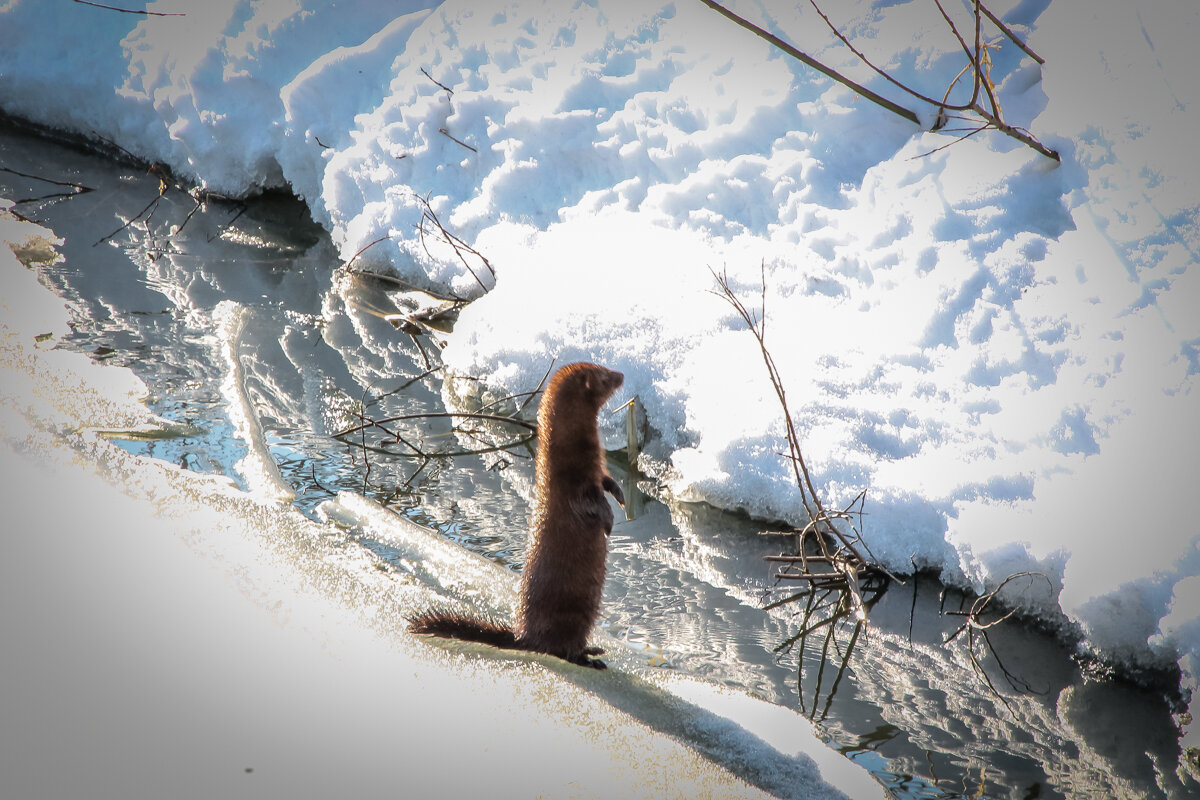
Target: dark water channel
pixel 181 292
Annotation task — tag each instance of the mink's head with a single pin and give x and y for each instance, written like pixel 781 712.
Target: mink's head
pixel 581 386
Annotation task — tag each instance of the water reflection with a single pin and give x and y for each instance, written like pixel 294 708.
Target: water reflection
pixel 825 612
pixel 318 354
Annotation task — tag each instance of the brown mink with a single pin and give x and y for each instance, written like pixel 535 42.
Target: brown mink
pixel 563 580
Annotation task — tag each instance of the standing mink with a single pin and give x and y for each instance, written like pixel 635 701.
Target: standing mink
pixel 563 580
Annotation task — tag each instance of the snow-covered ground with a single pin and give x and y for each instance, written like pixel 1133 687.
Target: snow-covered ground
pixel 1003 350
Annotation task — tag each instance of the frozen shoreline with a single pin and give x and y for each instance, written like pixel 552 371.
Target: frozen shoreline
pixel 1003 350
pixel 169 635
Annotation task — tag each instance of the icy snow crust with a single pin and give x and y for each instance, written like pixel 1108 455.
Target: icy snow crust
pixel 1002 350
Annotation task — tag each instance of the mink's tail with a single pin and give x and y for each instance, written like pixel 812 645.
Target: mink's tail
pixel 454 625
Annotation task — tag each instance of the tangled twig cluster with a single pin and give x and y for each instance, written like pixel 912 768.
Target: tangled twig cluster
pixel 981 113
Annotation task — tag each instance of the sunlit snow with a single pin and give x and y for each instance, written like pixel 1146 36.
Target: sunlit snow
pixel 1001 349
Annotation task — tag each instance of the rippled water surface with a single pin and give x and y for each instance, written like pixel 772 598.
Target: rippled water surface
pixel 248 301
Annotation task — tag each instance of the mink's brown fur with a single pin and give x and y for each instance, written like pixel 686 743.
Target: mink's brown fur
pixel 563 580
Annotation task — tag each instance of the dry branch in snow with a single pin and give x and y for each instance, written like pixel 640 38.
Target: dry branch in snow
pixel 983 109
pixel 822 541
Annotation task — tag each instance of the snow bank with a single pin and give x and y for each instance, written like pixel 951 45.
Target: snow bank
pixel 199 91
pixel 1002 350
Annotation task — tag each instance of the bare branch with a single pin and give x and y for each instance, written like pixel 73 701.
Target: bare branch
pixel 1020 134
pixel 843 564
pixel 133 10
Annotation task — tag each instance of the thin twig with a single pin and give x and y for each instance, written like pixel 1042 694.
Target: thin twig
pixel 452 138
pixel 499 401
pixel 383 451
pixel 803 481
pixel 364 248
pixel 983 66
pixel 131 157
pixel 401 285
pixel 885 75
pixel 541 385
pixel 435 80
pixel 133 10
pixel 1012 36
pixel 951 144
pixel 456 244
pixel 532 426
pixel 812 62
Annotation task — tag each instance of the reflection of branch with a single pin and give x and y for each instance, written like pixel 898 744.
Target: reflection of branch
pixel 317 481
pixel 242 207
pixel 416 379
pixel 974 624
pixel 841 673
pixel 983 601
pixel 826 609
pixel 147 212
pixel 1017 683
pixel 77 187
pixel 416 472
pixel 362 408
